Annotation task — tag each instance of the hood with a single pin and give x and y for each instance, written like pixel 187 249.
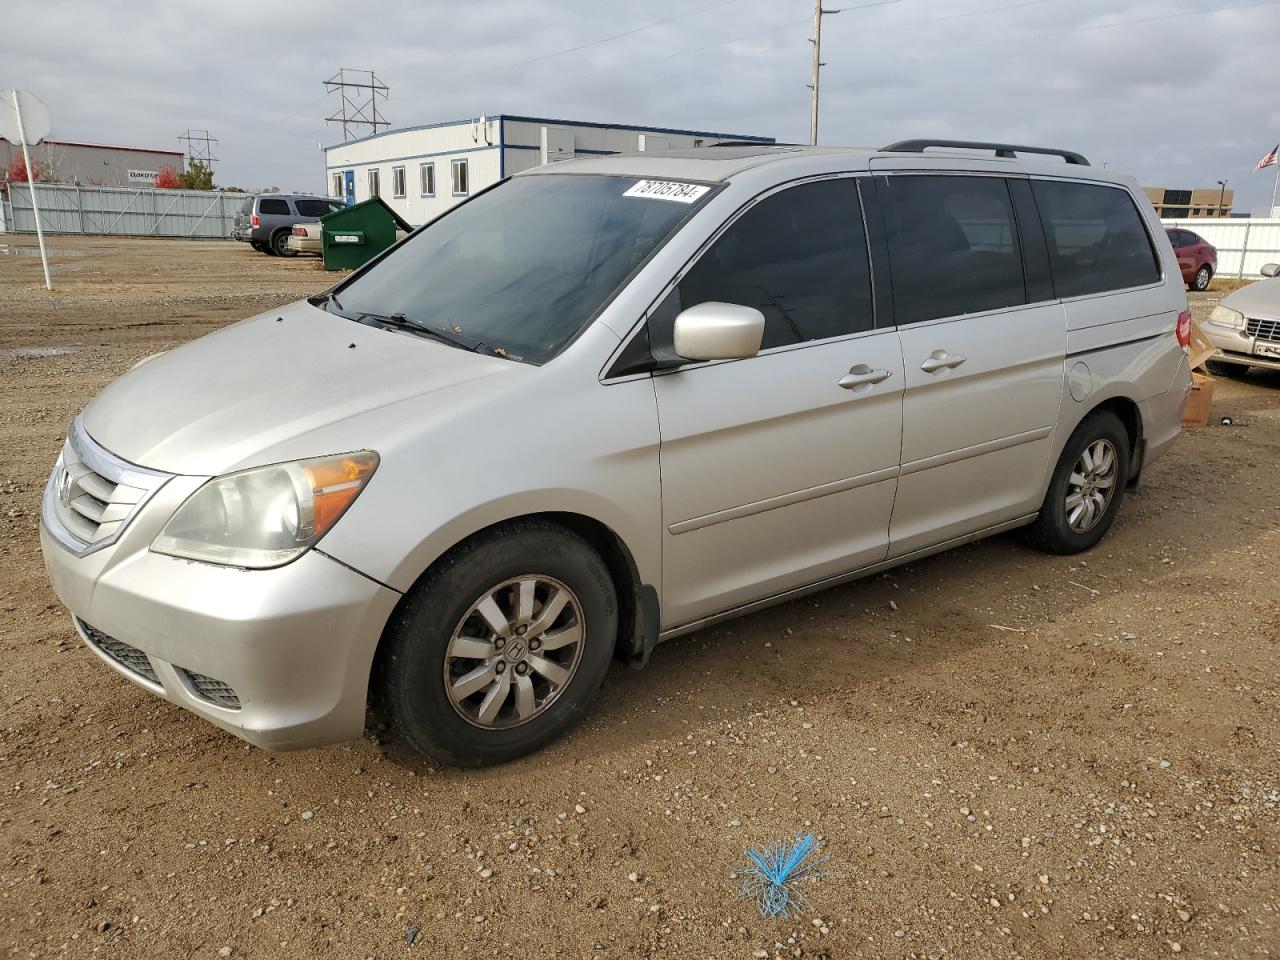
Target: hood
pixel 214 403
pixel 1261 299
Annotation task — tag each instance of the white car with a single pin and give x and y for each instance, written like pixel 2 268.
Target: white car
pixel 306 239
pixel 1245 327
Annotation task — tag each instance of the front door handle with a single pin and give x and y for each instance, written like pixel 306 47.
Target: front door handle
pixel 940 359
pixel 861 375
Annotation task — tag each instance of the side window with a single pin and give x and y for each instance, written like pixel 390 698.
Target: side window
pixel 799 257
pixel 273 206
pixel 459 170
pixel 1191 239
pixel 953 246
pixel 427 176
pixel 337 190
pixel 375 182
pixel 313 208
pixel 1097 241
pixel 397 181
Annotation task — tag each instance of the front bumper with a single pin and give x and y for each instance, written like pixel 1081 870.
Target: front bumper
pixel 295 643
pixel 1238 346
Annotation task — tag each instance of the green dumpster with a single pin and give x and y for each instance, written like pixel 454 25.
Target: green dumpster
pixel 352 236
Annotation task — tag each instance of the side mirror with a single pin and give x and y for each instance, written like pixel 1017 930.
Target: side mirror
pixel 1270 269
pixel 719 331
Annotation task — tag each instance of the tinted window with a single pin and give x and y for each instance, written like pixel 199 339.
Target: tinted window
pixel 314 208
pixel 1096 238
pixel 460 188
pixel 1191 239
pixel 953 246
pixel 273 206
pixel 520 268
pixel 799 257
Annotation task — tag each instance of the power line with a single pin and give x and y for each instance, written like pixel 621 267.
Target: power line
pixel 358 109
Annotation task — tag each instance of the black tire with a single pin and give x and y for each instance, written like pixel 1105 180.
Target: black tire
pixel 1051 531
pixel 1234 371
pixel 260 247
pixel 1201 280
pixel 409 674
pixel 280 244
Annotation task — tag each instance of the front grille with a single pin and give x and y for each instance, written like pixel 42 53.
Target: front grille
pixel 1263 329
pixel 93 494
pixel 131 658
pixel 215 691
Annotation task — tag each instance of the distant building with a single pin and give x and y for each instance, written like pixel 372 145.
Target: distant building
pixel 66 161
pixel 1201 202
pixel 423 171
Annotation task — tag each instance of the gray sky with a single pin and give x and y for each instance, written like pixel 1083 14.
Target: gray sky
pixel 1179 93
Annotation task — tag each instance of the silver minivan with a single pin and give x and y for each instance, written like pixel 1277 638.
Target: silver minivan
pixel 604 403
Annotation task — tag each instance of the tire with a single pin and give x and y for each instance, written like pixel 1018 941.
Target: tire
pixel 1233 371
pixel 260 247
pixel 1056 529
pixel 438 637
pixel 280 244
pixel 1201 280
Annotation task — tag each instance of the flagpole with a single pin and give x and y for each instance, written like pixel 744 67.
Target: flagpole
pixel 1274 188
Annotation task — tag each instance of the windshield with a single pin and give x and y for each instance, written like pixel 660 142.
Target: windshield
pixel 522 267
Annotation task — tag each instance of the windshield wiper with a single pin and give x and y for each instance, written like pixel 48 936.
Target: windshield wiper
pixel 399 321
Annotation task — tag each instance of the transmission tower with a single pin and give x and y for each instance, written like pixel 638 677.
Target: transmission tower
pixel 199 147
pixel 359 100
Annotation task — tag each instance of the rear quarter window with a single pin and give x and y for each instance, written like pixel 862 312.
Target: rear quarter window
pixel 1097 240
pixel 273 206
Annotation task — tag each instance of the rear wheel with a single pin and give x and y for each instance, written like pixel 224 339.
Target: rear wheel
pixel 258 245
pixel 1201 280
pixel 501 647
pixel 1087 486
pixel 1235 371
pixel 280 244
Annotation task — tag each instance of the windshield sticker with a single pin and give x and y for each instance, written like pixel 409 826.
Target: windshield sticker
pixel 668 190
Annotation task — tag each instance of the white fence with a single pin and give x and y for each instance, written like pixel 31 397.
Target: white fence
pixel 1244 244
pixel 122 211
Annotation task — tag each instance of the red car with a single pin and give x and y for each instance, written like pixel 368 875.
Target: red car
pixel 1197 259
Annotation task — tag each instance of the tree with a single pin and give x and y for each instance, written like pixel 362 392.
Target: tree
pixel 199 176
pixel 17 170
pixel 168 178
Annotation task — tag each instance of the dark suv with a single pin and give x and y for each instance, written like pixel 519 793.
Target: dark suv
pixel 265 221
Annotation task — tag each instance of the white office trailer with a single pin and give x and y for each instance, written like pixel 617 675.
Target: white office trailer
pixel 423 171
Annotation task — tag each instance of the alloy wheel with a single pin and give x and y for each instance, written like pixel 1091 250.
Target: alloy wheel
pixel 514 651
pixel 1091 485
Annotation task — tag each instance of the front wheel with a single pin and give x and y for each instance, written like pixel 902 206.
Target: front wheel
pixel 1201 280
pixel 501 647
pixel 1087 486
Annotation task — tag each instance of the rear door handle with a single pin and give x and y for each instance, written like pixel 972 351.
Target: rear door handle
pixel 939 359
pixel 860 375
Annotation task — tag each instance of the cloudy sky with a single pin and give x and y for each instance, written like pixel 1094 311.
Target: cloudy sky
pixel 1179 93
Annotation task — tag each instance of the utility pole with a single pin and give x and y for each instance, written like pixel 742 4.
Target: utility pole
pixel 816 40
pixel 358 100
pixel 1221 194
pixel 199 147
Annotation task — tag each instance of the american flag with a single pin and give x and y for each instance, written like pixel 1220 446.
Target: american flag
pixel 1270 159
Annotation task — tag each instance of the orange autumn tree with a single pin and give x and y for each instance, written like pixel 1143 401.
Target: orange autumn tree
pixel 167 179
pixel 17 171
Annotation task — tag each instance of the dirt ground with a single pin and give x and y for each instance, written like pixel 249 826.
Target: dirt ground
pixel 1004 754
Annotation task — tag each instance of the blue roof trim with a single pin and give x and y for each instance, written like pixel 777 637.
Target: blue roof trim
pixel 501 117
pixel 415 156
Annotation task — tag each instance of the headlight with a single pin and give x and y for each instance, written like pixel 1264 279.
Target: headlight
pixel 266 516
pixel 1226 317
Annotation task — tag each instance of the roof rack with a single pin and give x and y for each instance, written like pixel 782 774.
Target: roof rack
pixel 751 143
pixel 1007 150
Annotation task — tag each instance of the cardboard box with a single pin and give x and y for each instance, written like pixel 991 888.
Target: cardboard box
pixel 1200 402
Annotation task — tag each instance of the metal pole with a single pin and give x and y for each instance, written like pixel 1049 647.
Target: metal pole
pixel 817 67
pixel 1273 190
pixel 31 185
pixel 1221 194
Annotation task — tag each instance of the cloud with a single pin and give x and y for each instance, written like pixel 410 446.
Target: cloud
pixel 1172 91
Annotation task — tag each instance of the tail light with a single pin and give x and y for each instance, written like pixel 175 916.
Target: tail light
pixel 299 231
pixel 254 221
pixel 1184 330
